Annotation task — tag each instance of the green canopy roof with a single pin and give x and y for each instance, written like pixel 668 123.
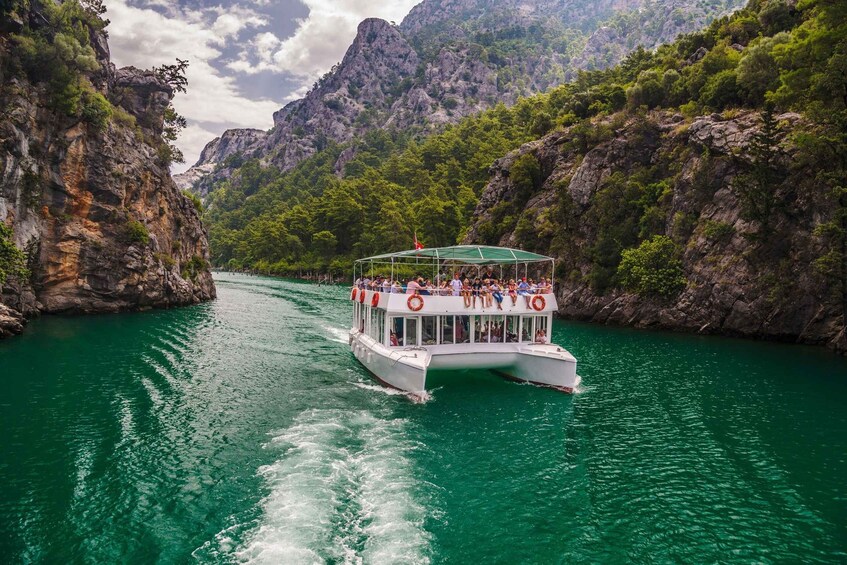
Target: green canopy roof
pixel 469 254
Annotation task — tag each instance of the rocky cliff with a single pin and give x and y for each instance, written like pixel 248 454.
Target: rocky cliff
pixel 90 201
pixel 688 179
pixel 452 58
pixel 232 142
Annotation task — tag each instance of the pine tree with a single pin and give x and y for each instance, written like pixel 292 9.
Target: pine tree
pixel 758 186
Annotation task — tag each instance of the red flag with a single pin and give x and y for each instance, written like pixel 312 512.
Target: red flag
pixel 418 244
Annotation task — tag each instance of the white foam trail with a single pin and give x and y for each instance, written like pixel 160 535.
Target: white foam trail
pixel 418 398
pixel 343 491
pixel 338 335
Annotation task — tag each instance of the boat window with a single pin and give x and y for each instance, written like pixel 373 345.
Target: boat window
pixel 429 333
pixel 447 329
pixel 542 335
pixel 463 329
pixel 368 320
pixel 526 328
pixel 483 329
pixel 411 332
pixel 377 324
pixel 381 336
pixel 512 323
pixel 496 328
pixel 397 330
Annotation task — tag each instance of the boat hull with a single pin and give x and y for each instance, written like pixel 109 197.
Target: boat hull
pixel 406 369
pixel 401 369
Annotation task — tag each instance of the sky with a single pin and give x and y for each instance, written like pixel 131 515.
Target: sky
pixel 247 58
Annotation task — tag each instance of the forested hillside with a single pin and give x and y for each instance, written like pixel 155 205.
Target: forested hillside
pixel 687 150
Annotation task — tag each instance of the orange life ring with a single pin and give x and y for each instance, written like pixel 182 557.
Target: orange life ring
pixel 419 303
pixel 362 296
pixel 353 294
pixel 375 300
pixel 535 302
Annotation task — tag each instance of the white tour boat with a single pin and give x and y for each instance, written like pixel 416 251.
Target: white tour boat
pixel 399 334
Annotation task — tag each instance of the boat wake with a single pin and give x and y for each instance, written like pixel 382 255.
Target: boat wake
pixel 344 491
pixel 337 334
pixel 418 398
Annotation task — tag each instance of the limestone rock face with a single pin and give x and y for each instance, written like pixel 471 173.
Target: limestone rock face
pixel 449 59
pixel 739 283
pixel 102 223
pixel 375 65
pixel 233 142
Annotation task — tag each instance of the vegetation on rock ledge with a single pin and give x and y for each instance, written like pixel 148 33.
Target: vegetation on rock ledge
pixel 12 259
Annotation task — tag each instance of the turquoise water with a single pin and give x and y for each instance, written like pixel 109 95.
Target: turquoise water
pixel 244 431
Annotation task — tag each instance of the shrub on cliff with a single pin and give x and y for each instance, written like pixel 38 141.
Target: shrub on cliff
pixel 652 268
pixel 96 110
pixel 136 232
pixel 12 259
pixel 195 200
pixel 194 266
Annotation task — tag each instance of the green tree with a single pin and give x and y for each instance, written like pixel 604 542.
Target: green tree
pixel 652 268
pixel 324 243
pixel 758 187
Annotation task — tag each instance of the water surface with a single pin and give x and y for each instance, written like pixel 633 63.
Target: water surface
pixel 243 430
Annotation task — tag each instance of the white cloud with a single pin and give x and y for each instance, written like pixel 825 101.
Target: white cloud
pixel 145 38
pixel 321 38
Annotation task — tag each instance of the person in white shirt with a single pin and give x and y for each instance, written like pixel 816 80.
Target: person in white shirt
pixel 456 285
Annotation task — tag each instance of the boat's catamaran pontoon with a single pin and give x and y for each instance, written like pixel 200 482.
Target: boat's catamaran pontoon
pixel 399 336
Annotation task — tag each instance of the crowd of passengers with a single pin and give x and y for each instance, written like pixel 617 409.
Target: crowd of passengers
pixel 486 291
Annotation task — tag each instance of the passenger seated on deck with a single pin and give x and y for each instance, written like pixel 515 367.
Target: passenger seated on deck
pixel 495 292
pixel 443 289
pixel 476 290
pixel 386 285
pixel 466 292
pixel 484 295
pixel 394 342
pixel 523 290
pixel 397 288
pixel 540 336
pixel 513 291
pixel 423 287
